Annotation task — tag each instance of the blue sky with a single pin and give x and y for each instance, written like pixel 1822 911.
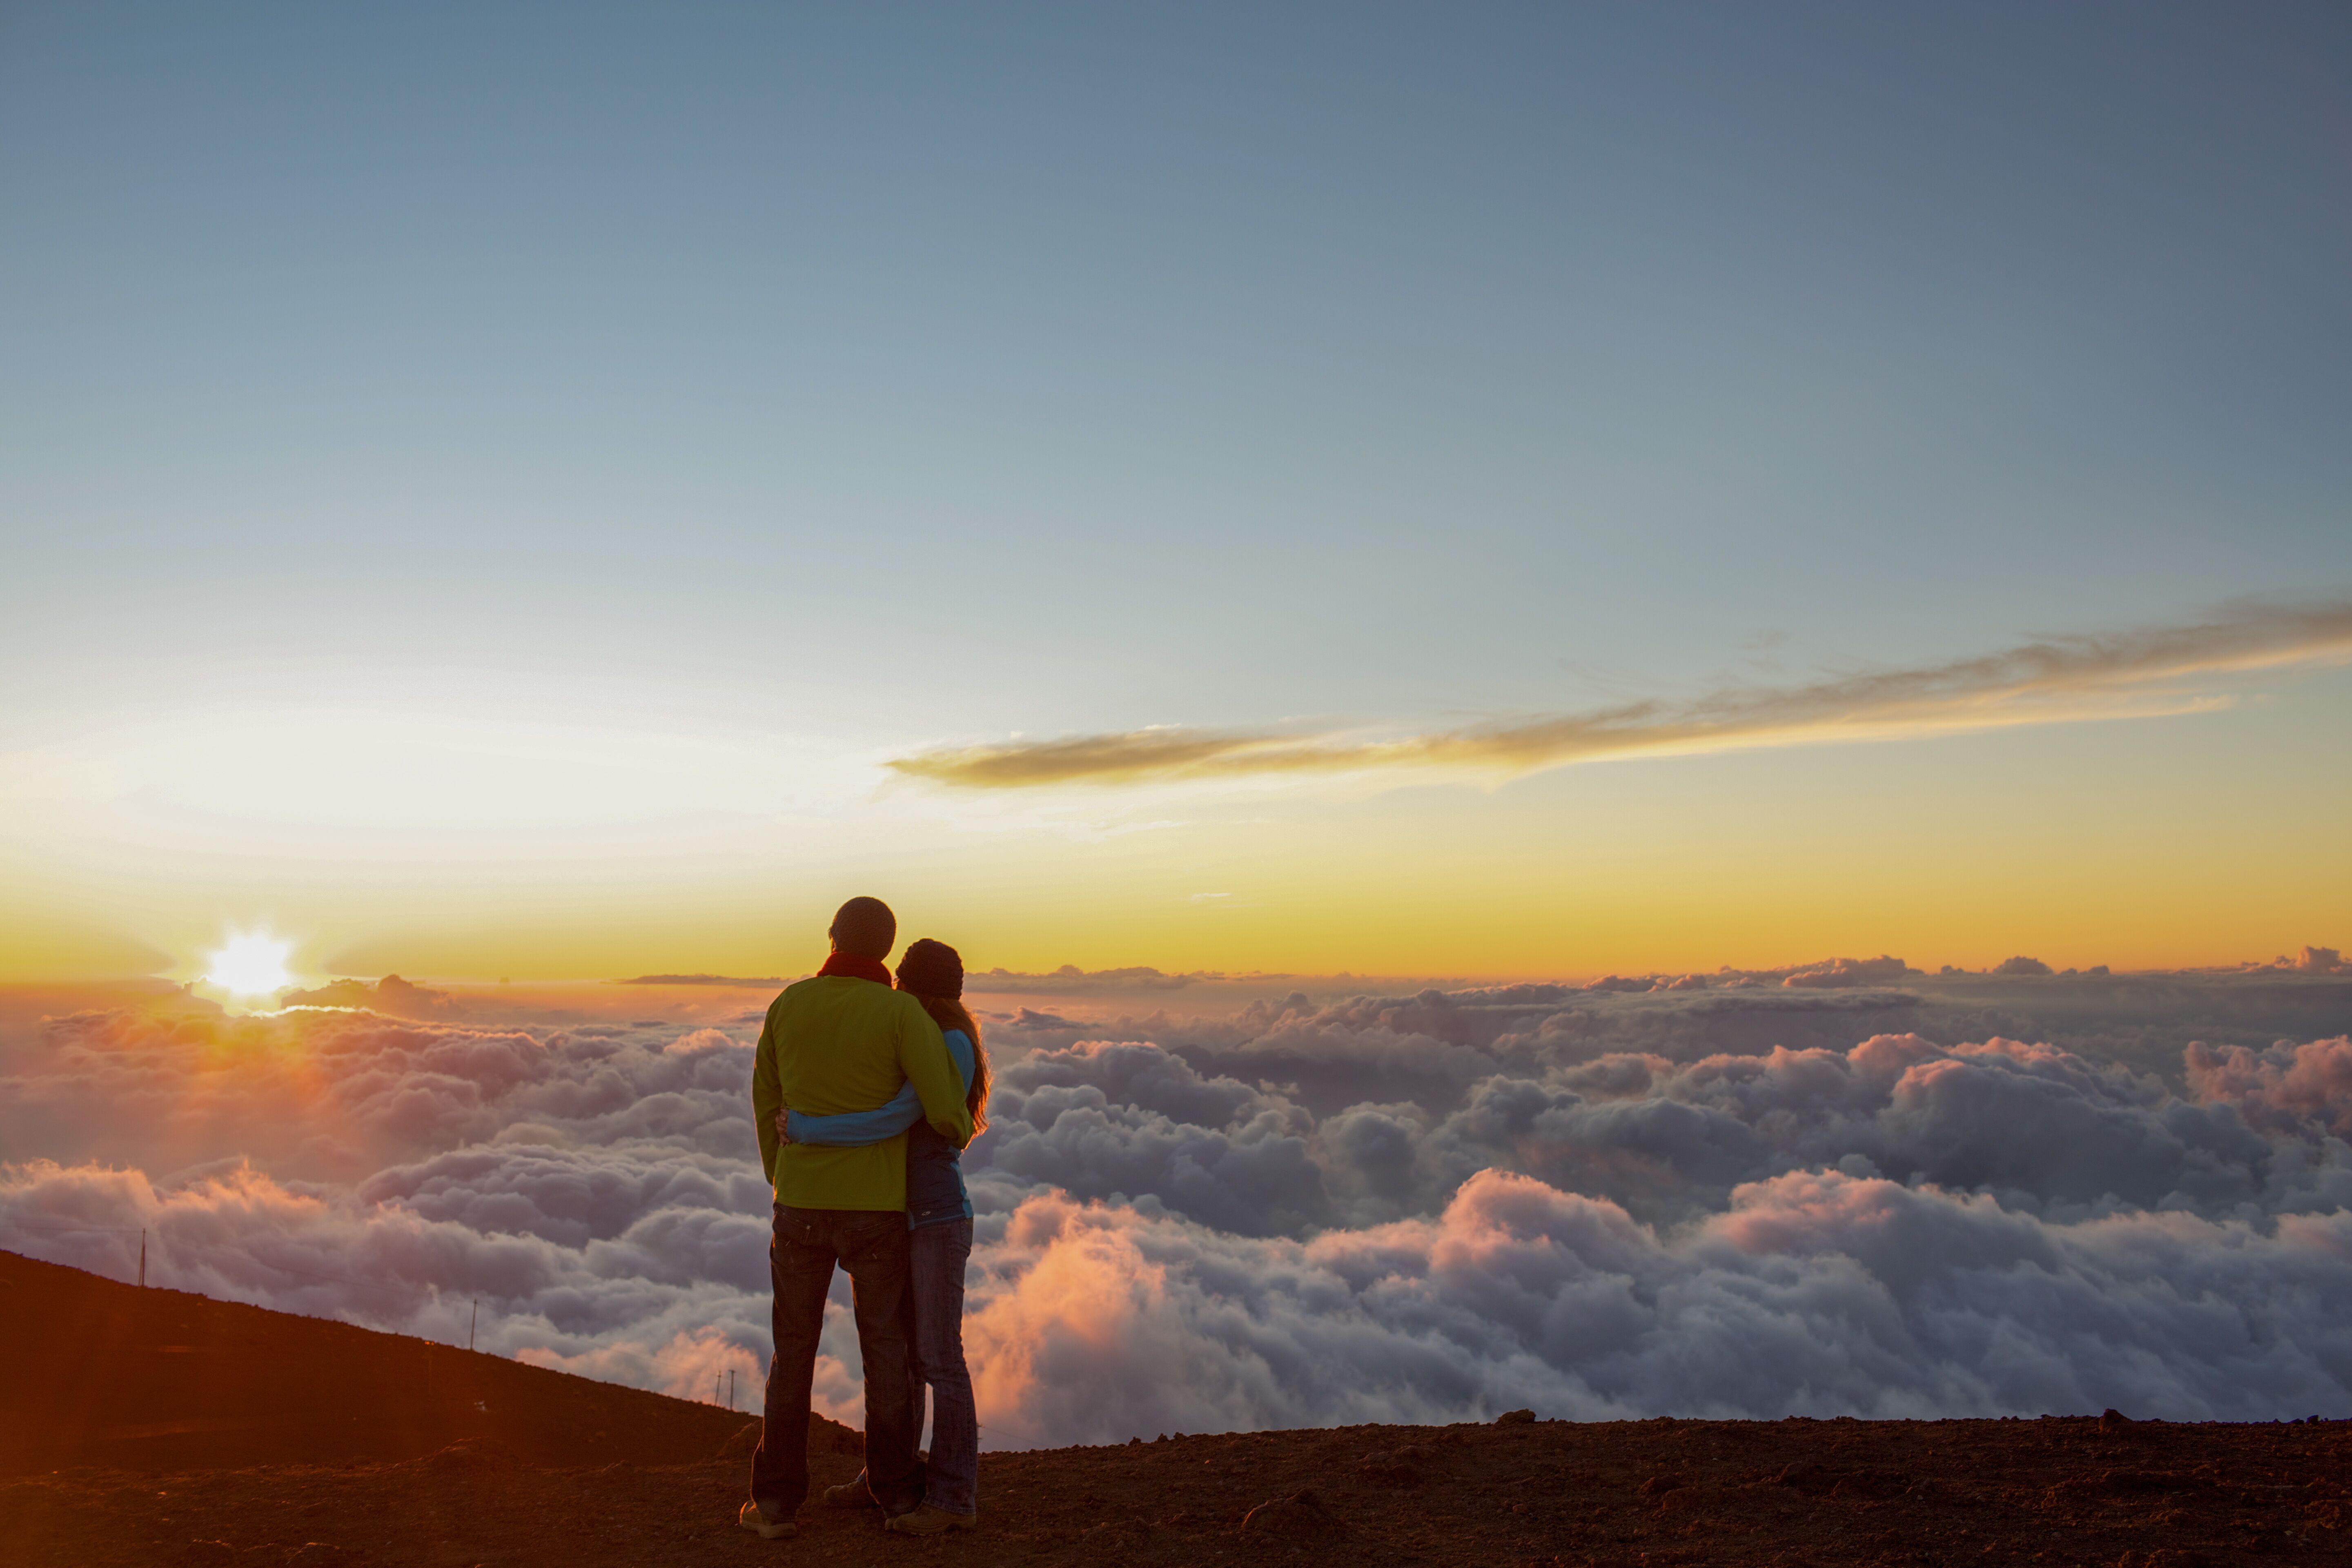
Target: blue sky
pixel 918 376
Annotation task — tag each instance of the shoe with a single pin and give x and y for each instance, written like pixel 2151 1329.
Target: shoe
pixel 755 1519
pixel 929 1521
pixel 849 1494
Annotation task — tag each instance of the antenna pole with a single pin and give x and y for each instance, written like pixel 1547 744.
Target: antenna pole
pixel 473 1323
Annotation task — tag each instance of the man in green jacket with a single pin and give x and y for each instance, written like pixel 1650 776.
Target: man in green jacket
pixel 843 1040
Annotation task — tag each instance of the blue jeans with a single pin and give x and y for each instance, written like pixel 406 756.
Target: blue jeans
pixel 934 1327
pixel 872 1246
pixel 936 1257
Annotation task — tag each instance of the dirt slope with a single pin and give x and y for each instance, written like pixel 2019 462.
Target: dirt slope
pixel 2078 1490
pixel 93 1372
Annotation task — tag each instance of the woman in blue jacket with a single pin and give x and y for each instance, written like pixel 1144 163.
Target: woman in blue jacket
pixel 938 1222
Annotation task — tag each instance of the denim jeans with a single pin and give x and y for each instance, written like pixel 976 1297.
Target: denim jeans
pixel 934 1317
pixel 872 1246
pixel 937 1256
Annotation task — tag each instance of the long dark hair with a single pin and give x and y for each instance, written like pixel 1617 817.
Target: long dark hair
pixel 932 974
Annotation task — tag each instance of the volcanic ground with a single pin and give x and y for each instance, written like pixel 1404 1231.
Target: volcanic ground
pixel 154 1427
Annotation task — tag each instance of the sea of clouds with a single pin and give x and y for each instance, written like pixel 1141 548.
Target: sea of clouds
pixel 1847 1189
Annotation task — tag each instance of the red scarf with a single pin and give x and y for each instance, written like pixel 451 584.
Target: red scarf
pixel 850 965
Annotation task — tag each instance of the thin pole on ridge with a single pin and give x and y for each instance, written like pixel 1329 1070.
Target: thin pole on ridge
pixel 473 1323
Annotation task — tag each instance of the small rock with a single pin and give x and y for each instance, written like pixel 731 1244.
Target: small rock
pixel 1659 1485
pixel 1516 1418
pixel 2112 1420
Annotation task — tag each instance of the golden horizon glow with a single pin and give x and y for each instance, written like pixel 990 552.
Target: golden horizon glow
pixel 2196 841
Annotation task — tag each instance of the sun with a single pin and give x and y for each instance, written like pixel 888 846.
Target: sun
pixel 252 965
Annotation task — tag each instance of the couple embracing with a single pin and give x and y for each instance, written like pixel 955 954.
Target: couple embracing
pixel 865 1095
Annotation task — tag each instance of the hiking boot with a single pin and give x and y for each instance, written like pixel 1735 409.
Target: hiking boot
pixel 929 1521
pixel 755 1519
pixel 849 1494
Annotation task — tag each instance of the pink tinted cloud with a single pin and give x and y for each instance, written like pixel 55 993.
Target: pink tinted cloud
pixel 1490 1208
pixel 1817 1293
pixel 2285 1088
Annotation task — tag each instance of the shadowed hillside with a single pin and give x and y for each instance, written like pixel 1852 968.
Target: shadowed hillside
pixel 93 1372
pixel 154 1429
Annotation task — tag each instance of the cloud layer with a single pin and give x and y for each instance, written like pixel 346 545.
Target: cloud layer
pixel 1817 1294
pixel 1747 1200
pixel 2153 671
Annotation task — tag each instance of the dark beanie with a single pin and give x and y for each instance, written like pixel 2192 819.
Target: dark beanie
pixel 930 968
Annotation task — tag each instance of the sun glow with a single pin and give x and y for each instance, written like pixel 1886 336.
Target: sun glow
pixel 250 965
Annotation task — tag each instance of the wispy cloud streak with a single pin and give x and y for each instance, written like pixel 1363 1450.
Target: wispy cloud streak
pixel 2147 673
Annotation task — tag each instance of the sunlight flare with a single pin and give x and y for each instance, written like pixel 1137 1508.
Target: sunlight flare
pixel 253 964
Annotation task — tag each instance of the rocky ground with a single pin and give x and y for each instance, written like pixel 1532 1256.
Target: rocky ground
pixel 584 1474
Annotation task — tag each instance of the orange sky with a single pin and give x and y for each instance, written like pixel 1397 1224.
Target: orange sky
pixel 2209 838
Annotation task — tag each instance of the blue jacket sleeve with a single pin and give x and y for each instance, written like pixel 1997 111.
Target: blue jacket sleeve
pixel 851 1127
pixel 902 1110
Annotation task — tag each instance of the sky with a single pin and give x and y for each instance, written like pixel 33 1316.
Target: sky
pixel 566 493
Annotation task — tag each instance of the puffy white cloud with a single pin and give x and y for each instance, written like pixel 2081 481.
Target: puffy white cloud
pixel 1411 1207
pixel 340 1093
pixel 2046 1130
pixel 1817 1294
pixel 1133 1121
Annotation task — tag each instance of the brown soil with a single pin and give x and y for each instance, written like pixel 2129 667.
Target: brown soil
pixel 500 1463
pixel 94 1372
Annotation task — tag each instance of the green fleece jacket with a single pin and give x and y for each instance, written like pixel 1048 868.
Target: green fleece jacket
pixel 834 1043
